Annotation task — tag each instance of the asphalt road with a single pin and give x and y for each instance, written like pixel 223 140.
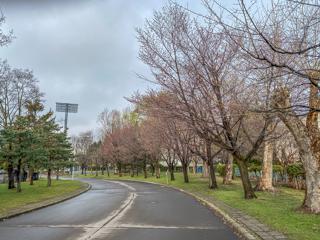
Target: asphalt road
pixel 120 211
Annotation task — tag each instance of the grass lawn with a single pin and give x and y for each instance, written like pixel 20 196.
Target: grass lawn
pixel 10 199
pixel 277 210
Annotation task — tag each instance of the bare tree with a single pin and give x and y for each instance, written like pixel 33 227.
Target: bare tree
pixel 284 35
pixel 149 133
pixel 5 37
pixel 195 65
pixel 295 51
pixel 81 145
pixel 182 136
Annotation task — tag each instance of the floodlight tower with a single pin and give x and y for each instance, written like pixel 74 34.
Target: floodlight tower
pixel 66 108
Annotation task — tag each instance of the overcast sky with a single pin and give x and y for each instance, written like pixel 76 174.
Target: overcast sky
pixel 81 51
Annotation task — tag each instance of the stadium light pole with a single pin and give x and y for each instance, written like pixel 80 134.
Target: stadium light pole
pixel 67 108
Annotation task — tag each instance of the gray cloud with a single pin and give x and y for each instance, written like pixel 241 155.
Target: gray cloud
pixel 82 52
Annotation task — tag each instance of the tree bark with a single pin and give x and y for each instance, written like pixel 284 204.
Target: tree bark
pixel 137 170
pixel 265 182
pixel 96 166
pixel 185 172
pixel 171 170
pixel 57 174
pixel 307 140
pixel 108 172
pixel 10 176
pixel 195 166
pixel 49 178
pixel 227 179
pixel 212 176
pixel 119 169
pixel 31 171
pixel 247 187
pixel 152 170
pixel 18 176
pixel 205 171
pixel 145 169
pixel 157 170
pixel 132 170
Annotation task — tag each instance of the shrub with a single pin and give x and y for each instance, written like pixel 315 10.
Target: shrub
pixel 221 169
pixel 277 169
pixel 295 170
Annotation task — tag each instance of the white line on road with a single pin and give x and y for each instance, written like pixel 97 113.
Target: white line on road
pixel 111 220
pixel 146 226
pixel 123 184
pixel 121 226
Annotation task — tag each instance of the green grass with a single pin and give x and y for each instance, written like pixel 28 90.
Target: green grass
pixel 11 200
pixel 277 210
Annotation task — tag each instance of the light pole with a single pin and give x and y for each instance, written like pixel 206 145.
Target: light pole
pixel 67 108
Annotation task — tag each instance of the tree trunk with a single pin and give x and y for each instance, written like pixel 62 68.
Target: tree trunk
pixel 57 174
pixel 10 176
pixel 171 170
pixel 312 194
pixel 137 170
pixel 195 167
pixel 31 171
pixel 145 169
pixel 49 178
pixel 247 187
pixel 205 170
pixel 132 170
pixel 96 166
pixel 212 176
pixel 307 140
pixel 119 169
pixel 157 170
pixel 108 171
pixel 227 179
pixel 18 176
pixel 71 170
pixel 265 182
pixel 152 170
pixel 185 172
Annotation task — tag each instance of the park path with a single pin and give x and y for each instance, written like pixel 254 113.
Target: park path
pixel 120 210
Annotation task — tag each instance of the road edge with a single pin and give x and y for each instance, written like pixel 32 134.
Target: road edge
pixel 242 231
pixel 46 203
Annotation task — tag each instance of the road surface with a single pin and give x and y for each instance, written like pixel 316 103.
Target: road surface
pixel 120 211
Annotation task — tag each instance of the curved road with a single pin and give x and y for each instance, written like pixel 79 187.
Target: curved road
pixel 120 211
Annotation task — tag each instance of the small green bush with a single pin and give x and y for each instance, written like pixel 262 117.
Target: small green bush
pixel 221 169
pixel 277 169
pixel 254 168
pixel 295 170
